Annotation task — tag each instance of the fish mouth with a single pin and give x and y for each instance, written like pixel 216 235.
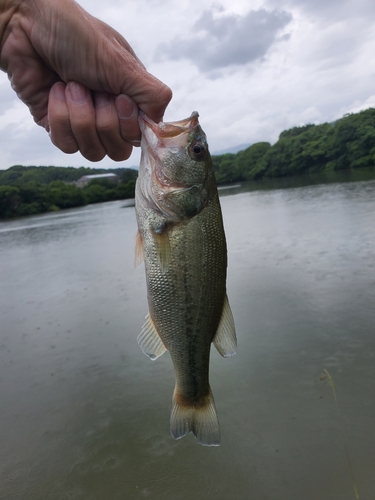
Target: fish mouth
pixel 167 130
pixel 159 141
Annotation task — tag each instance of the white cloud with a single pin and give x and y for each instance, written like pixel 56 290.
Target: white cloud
pixel 253 90
pixel 357 106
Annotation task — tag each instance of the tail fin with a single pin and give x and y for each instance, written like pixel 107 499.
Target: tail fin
pixel 200 420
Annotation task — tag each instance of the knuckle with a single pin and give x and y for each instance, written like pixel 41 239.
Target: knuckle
pixel 121 155
pixel 130 131
pixel 67 144
pixel 166 96
pixel 162 96
pixel 106 125
pixel 81 125
pixel 93 153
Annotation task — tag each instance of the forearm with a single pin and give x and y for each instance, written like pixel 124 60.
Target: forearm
pixel 8 8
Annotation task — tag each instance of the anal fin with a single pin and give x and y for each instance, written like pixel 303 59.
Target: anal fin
pixel 149 340
pixel 225 339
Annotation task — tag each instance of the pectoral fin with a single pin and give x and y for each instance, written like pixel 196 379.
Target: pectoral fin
pixel 162 248
pixel 138 259
pixel 149 340
pixel 225 339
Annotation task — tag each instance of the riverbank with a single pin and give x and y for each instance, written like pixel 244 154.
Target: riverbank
pixel 32 198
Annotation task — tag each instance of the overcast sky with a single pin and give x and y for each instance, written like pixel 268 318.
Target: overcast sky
pixel 250 68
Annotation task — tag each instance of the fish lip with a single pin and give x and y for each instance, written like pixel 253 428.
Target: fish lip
pixel 165 130
pixel 156 137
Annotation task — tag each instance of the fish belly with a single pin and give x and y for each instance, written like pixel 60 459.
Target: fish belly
pixel 186 298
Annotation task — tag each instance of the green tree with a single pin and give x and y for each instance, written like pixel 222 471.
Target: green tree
pixel 96 193
pixel 10 201
pixel 125 190
pixel 225 168
pixel 293 132
pixel 129 174
pixel 65 195
pixel 248 160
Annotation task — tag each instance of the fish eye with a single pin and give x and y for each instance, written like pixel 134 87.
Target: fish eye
pixel 197 151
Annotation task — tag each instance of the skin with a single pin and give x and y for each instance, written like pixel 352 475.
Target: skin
pixel 80 78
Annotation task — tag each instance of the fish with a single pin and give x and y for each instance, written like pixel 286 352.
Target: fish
pixel 182 242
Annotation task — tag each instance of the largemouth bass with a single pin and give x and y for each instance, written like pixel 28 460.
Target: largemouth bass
pixel 181 239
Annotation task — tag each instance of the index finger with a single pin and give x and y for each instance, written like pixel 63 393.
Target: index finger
pixel 151 95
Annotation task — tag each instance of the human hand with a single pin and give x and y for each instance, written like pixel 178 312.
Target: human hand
pixel 80 78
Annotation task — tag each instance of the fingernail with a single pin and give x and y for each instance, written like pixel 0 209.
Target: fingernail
pixel 124 106
pixel 59 91
pixel 77 92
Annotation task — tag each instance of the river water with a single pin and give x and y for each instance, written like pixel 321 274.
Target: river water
pixel 85 414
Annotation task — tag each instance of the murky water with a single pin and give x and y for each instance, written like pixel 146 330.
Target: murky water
pixel 85 414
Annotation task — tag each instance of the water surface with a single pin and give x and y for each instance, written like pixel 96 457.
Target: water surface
pixel 85 414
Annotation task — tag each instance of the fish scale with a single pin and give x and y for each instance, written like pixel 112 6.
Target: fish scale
pixel 181 237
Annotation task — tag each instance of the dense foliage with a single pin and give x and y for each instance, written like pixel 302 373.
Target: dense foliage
pixel 348 143
pixel 19 175
pixel 33 190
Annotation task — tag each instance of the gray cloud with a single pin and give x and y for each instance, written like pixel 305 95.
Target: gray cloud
pixel 219 42
pixel 331 10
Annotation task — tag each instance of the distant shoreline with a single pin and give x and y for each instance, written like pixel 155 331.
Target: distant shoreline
pixel 286 182
pixel 343 150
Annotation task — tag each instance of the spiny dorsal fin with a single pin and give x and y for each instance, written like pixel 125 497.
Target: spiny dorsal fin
pixel 225 339
pixel 149 340
pixel 139 256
